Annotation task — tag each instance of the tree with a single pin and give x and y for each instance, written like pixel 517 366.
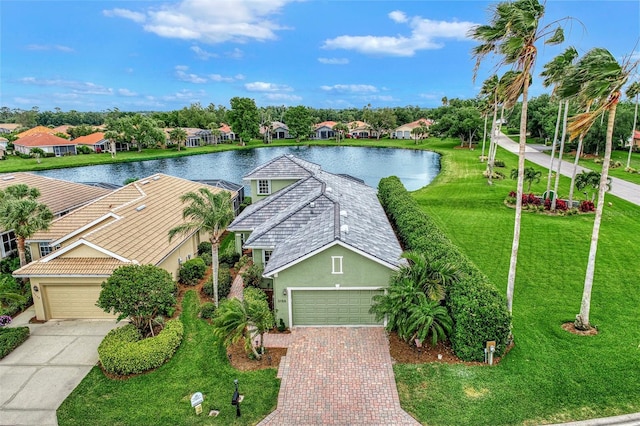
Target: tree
pixel 244 118
pixel 590 180
pixel 340 130
pixel 432 276
pixel 513 33
pixel 530 175
pixel 178 136
pixel 420 132
pixel 21 212
pixel 140 293
pixel 211 213
pixel 633 91
pixel 143 131
pixel 299 121
pixel 597 77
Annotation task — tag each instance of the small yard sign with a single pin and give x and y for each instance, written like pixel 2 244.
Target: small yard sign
pixel 197 399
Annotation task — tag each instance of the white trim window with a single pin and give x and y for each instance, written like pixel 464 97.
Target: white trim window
pixel 264 187
pixel 45 249
pixel 266 256
pixel 336 264
pixel 9 243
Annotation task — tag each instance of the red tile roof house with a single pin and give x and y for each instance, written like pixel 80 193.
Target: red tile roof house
pixel 47 142
pixel 404 131
pixel 96 141
pixel 636 138
pixel 226 134
pixel 324 130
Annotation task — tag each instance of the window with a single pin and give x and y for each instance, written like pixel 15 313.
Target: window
pixel 336 264
pixel 266 255
pixel 46 249
pixel 264 187
pixel 9 243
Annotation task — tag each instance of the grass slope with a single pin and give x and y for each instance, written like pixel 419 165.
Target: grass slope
pixel 162 397
pixel 550 375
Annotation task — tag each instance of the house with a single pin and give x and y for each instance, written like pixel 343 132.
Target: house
pixel 226 134
pixel 234 188
pixel 96 141
pixel 128 226
pixel 404 131
pixel 36 130
pixel 8 127
pixel 49 143
pixel 59 195
pixel 324 130
pixel 360 129
pixel 323 239
pixel 194 136
pixel 277 129
pixel 636 138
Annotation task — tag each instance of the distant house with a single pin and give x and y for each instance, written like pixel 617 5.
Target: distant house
pixel 226 134
pixel 36 130
pixel 62 129
pixel 8 127
pixel 277 129
pixel 60 196
pixel 47 142
pixel 404 131
pixel 128 226
pixel 96 141
pixel 324 130
pixel 636 138
pixel 360 129
pixel 324 241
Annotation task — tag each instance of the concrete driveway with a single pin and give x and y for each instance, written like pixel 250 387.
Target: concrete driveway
pixel 38 376
pixel 336 376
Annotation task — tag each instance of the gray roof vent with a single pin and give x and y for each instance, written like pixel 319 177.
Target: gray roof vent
pixel 345 229
pixel 8 177
pixel 344 213
pixel 312 204
pixel 156 177
pixel 329 189
pixel 140 208
pixel 144 182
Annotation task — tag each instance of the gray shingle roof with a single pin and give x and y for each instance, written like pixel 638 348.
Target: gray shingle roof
pixel 283 167
pixel 317 211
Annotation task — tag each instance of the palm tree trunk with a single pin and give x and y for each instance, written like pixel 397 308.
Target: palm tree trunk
pixel 484 136
pixel 575 164
pixel 561 151
pixel 214 268
pixel 582 319
pixel 21 250
pixel 516 226
pixel 633 132
pixel 553 146
pixel 492 143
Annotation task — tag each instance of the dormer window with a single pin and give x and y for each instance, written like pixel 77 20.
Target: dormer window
pixel 264 187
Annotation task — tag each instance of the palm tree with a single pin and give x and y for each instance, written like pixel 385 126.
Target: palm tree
pixel 21 212
pixel 427 317
pixel 432 276
pixel 490 90
pixel 178 136
pixel 598 76
pixel 340 130
pixel 530 175
pixel 209 212
pixel 554 73
pixel 513 33
pixel 633 91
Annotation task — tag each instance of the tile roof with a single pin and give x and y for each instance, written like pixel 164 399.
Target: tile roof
pixel 416 123
pixel 10 126
pixel 42 139
pixel 91 139
pixel 320 210
pixel 283 167
pixel 325 123
pixel 224 128
pixel 636 134
pixel 72 266
pixel 59 195
pixel 36 130
pixel 132 222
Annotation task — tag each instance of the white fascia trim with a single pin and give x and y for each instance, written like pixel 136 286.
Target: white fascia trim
pixel 62 276
pixel 327 246
pixel 85 227
pixel 70 247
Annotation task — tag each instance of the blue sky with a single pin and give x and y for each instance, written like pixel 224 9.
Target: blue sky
pixel 93 55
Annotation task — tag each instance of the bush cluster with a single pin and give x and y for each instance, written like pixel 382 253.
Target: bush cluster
pixel 11 338
pixel 252 276
pixel 124 352
pixel 478 310
pixel 224 283
pixel 207 310
pixel 229 259
pixel 192 271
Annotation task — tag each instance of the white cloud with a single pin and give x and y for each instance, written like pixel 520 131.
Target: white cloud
pixel 425 34
pixel 350 88
pixel 282 97
pixel 185 94
pixel 57 47
pixel 75 86
pixel 126 92
pixel 220 78
pixel 125 13
pixel 260 86
pixel 333 61
pixel 235 54
pixel 211 22
pixel 203 54
pixel 239 77
pixel 398 16
pixel 183 75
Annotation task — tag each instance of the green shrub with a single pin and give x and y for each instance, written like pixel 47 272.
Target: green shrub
pixel 83 149
pixel 192 271
pixel 207 310
pixel 11 338
pixel 122 351
pixel 204 247
pixel 229 258
pixel 9 264
pixel 224 283
pixel 478 310
pixel 498 163
pixel 252 276
pixel 206 257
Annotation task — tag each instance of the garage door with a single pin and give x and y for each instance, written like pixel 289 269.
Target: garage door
pixel 66 301
pixel 333 307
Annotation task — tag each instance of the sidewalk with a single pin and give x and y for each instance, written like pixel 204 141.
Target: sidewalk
pixel 620 188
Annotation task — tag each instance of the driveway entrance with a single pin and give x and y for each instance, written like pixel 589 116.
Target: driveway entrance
pixel 337 376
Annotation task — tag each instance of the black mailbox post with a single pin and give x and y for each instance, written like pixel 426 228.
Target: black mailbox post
pixel 235 399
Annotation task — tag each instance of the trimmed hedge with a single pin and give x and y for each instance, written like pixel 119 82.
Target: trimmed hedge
pixel 122 351
pixel 192 271
pixel 11 338
pixel 478 310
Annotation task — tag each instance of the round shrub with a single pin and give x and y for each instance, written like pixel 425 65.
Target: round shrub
pixel 122 351
pixel 229 258
pixel 192 271
pixel 204 247
pixel 224 283
pixel 206 257
pixel 207 310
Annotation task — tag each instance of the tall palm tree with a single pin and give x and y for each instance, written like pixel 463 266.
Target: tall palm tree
pixel 21 212
pixel 490 90
pixel 554 73
pixel 633 91
pixel 209 212
pixel 598 76
pixel 178 136
pixel 512 33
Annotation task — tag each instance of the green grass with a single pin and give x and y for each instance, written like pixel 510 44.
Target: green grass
pixel 618 172
pixel 550 375
pixel 162 397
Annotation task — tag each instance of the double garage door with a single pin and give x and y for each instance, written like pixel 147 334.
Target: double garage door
pixel 333 307
pixel 73 301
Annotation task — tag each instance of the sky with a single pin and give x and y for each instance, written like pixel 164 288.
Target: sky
pixel 148 55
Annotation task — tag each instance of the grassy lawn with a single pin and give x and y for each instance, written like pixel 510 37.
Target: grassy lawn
pixel 618 172
pixel 550 375
pixel 162 397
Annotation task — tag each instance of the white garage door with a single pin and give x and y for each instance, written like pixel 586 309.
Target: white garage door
pixel 73 301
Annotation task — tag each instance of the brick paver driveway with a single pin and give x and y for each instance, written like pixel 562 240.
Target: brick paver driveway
pixel 338 376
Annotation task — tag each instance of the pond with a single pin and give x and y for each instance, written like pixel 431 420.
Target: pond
pixel 414 168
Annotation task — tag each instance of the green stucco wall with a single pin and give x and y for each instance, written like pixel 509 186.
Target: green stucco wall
pixel 276 185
